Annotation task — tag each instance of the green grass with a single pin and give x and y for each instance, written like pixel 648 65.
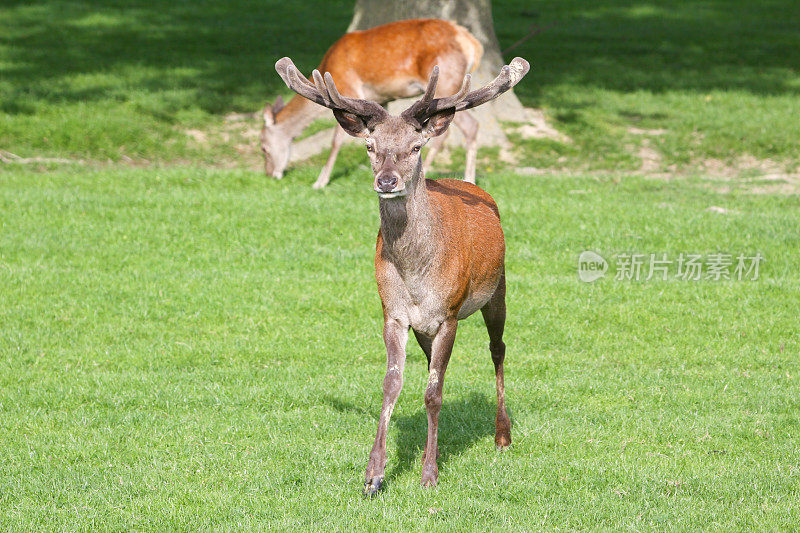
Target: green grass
pixel 720 77
pixel 186 348
pixel 112 79
pixel 116 80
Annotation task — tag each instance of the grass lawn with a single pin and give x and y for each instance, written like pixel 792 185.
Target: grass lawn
pixel 188 348
pixel 187 345
pixel 140 80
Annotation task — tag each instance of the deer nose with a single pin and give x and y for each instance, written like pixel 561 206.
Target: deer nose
pixel 386 181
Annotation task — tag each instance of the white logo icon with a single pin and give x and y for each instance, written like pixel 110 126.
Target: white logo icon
pixel 591 266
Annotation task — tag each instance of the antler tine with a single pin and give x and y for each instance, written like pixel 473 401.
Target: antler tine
pixel 298 79
pixel 323 92
pixel 286 68
pixel 509 76
pixel 430 90
pixel 320 85
pixel 420 107
pixel 297 82
pixel 451 101
pixel 303 87
pixel 333 92
pixel 364 108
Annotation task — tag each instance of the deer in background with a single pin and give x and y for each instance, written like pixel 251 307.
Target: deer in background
pixel 440 254
pixel 381 64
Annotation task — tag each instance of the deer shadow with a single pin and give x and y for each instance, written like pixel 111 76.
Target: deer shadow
pixel 463 421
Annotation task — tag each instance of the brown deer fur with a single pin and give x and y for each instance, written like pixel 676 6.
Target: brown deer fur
pixel 381 64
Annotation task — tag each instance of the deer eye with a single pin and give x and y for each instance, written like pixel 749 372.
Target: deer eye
pixel 417 147
pixel 370 148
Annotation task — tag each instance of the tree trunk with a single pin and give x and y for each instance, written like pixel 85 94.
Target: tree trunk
pixel 476 16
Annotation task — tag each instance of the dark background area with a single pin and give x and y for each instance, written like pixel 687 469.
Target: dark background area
pixel 230 47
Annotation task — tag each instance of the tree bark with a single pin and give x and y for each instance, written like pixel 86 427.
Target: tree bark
pixel 476 16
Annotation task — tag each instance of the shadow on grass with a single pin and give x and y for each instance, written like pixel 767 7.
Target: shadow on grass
pixel 205 53
pixel 658 46
pixel 222 52
pixel 463 421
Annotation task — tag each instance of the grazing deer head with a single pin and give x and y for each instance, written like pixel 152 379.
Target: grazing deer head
pixel 394 143
pixel 275 143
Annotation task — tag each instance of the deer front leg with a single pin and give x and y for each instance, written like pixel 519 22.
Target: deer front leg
pixel 436 146
pixel 395 336
pixel 325 174
pixel 441 349
pixel 469 127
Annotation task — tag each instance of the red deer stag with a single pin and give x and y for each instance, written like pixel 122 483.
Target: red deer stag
pixel 440 254
pixel 382 64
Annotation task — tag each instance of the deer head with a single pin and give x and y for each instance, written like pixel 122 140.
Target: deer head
pixel 275 143
pixel 394 142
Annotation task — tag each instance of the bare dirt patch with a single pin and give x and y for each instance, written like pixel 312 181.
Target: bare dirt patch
pixel 744 173
pixel 651 159
pixel 238 135
pixel 641 131
pixel 198 136
pixel 535 126
pixel 753 175
pixel 9 158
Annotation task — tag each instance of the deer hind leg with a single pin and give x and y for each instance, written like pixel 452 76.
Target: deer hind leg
pixel 395 336
pixel 494 314
pixel 441 348
pixel 426 343
pixel 325 174
pixel 469 125
pixel 436 146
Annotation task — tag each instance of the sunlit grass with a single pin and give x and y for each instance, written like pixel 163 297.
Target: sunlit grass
pixel 126 81
pixel 189 348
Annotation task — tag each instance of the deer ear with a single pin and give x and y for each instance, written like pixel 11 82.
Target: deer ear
pixel 278 105
pixel 352 124
pixel 438 123
pixel 268 115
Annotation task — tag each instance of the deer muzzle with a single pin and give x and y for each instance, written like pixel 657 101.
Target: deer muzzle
pixel 386 183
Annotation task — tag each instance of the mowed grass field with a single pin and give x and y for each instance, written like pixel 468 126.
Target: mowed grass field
pixel 188 348
pixel 149 81
pixel 185 344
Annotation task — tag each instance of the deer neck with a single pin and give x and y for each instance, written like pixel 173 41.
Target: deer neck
pixel 410 226
pixel 297 115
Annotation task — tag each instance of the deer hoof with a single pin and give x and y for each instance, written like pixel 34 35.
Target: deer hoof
pixel 429 479
pixel 502 441
pixel 319 184
pixel 428 483
pixel 372 487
